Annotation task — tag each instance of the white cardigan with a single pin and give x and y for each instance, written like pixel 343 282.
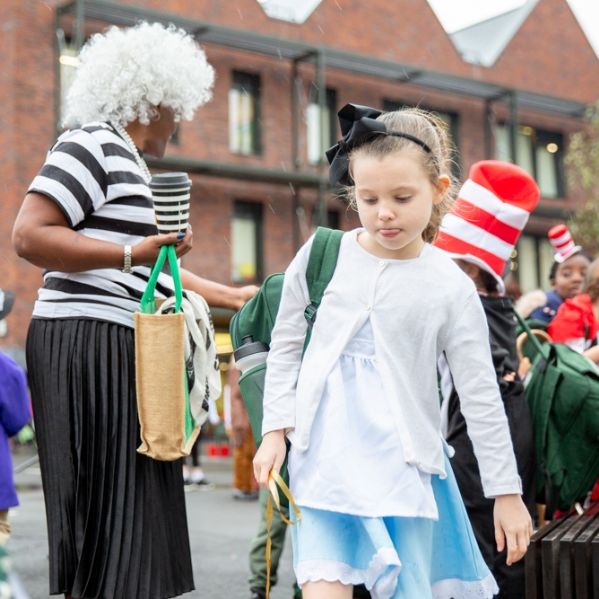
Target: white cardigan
pixel 419 309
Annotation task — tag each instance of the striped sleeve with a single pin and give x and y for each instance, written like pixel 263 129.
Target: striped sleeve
pixel 74 175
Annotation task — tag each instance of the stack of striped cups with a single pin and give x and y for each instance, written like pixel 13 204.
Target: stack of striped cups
pixel 171 193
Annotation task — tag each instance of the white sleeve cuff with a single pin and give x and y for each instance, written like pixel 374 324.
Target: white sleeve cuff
pixel 504 488
pixel 277 425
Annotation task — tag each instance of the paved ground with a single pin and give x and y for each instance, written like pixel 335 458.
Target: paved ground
pixel 220 530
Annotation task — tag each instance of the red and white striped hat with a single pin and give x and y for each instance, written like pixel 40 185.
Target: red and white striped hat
pixel 562 242
pixel 488 216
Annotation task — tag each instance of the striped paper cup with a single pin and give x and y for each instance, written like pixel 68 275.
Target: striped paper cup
pixel 171 195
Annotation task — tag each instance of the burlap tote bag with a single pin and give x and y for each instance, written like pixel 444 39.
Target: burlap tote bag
pixel 167 428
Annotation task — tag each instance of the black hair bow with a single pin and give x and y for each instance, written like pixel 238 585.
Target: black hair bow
pixel 358 125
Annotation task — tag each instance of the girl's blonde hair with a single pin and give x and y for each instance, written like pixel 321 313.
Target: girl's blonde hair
pixel 431 130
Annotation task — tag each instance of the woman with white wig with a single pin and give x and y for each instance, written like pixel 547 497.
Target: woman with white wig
pixel 117 525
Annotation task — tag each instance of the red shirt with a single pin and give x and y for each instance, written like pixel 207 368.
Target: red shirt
pixel 574 321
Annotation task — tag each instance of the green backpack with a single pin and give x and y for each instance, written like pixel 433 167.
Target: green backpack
pixel 562 390
pixel 255 321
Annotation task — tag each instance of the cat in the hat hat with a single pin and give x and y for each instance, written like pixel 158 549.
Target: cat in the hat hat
pixel 480 233
pixel 567 277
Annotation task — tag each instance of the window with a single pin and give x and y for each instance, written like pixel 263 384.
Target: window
pixel 540 153
pixel 246 247
pixel 68 63
pixel 317 144
pixel 534 259
pixel 450 118
pixel 244 114
pixel 333 217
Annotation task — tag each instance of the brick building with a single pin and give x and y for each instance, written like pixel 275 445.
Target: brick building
pixel 254 152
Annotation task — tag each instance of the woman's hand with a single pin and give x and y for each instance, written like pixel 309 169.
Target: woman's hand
pixel 146 251
pixel 245 294
pixel 512 526
pixel 270 456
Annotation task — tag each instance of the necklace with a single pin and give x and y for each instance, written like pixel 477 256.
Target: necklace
pixel 138 158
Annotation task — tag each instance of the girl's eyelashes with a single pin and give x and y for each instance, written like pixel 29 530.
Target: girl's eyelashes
pixel 401 199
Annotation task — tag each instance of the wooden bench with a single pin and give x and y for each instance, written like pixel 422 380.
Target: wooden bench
pixel 562 561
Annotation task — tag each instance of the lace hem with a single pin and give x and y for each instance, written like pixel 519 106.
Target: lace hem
pixel 380 576
pixel 465 589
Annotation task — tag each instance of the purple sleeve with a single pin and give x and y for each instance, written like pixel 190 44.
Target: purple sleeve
pixel 15 410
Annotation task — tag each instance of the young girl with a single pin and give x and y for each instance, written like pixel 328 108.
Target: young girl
pixel 367 463
pixel 567 276
pixel 482 252
pixel 577 320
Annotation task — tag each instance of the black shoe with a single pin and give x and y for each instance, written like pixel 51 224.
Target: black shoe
pixel 257 595
pixel 245 495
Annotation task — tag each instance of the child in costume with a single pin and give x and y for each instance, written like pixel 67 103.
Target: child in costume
pixel 15 413
pixel 479 233
pixel 577 320
pixel 567 276
pixel 367 463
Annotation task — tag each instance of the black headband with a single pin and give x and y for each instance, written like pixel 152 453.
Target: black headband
pixel 358 126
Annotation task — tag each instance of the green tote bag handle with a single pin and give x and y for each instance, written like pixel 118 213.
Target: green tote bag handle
pixel 147 303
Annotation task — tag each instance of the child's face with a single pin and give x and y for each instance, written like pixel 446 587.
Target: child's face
pixel 395 199
pixel 570 276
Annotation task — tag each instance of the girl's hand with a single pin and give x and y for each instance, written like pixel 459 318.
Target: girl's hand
pixel 270 456
pixel 146 251
pixel 512 524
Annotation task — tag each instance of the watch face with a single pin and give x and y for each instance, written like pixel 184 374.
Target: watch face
pixel 289 10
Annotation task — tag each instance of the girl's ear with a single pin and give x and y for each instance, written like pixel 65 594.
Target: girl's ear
pixel 442 186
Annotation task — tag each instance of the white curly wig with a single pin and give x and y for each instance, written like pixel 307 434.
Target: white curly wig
pixel 124 74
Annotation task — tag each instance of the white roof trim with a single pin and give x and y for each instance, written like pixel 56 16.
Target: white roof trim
pixel 293 11
pixel 484 42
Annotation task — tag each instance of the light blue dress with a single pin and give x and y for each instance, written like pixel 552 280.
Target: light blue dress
pixel 368 517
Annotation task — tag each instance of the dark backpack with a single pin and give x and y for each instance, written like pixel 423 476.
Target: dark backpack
pixel 562 390
pixel 256 318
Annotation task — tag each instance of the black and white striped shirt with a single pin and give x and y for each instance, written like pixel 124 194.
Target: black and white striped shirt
pixel 93 177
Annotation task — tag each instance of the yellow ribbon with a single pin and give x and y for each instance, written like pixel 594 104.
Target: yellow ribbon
pixel 275 479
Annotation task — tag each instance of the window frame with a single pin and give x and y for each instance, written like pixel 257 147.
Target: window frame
pixel 331 106
pixel 540 138
pixel 542 278
pixel 251 84
pixel 244 209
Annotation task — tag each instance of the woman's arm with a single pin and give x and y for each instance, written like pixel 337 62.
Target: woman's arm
pixel 42 235
pixel 217 294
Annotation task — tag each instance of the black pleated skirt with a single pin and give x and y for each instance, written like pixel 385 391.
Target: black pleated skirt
pixel 117 526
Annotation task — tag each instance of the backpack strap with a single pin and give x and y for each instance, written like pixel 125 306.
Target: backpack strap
pixel 321 267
